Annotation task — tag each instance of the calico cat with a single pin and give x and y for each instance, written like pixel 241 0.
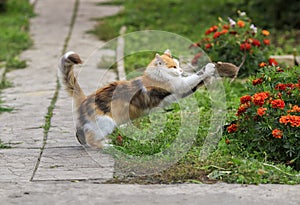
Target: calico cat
pixel 121 101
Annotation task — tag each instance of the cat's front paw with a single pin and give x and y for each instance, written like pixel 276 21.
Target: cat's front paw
pixel 209 69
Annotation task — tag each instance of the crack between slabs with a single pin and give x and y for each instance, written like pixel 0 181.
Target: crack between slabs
pixel 51 107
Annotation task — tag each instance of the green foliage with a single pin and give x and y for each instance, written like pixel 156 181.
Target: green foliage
pixel 230 41
pixel 269 117
pixel 184 17
pixel 279 14
pixel 14 37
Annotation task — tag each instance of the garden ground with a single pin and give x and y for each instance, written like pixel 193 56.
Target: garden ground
pixel 45 164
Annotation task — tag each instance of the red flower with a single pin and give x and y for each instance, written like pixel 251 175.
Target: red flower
pixel 224 31
pixel 278 103
pixel 280 86
pixel 242 109
pixel 211 30
pixel 245 46
pixel 208 45
pixel 232 128
pixel 244 99
pixel 266 41
pixel 217 34
pixel 259 98
pixel 277 133
pixel 254 42
pixel 273 62
pixel 226 26
pixel 261 111
pixel 257 81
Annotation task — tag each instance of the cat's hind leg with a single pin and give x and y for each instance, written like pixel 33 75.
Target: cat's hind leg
pixel 96 132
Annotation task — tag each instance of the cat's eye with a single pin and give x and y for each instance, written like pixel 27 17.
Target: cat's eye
pixel 174 66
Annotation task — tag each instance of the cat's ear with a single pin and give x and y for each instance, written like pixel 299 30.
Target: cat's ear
pixel 168 53
pixel 158 60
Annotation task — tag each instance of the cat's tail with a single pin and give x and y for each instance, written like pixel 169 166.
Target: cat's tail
pixel 66 67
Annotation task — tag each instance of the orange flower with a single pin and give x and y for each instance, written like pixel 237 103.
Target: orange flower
pixel 266 41
pixel 277 133
pixel 262 64
pixel 257 81
pixel 244 99
pixel 265 32
pixel 295 108
pixel 261 111
pixel 232 128
pixel 278 103
pixel 294 120
pixel 224 31
pixel 241 23
pixel 259 98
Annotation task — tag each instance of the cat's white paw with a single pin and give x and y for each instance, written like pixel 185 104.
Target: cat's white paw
pixel 209 69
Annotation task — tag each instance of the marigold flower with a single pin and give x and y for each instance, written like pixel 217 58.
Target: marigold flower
pixel 208 45
pixel 266 41
pixel 232 128
pixel 280 86
pixel 261 111
pixel 211 30
pixel 240 23
pixel 245 46
pixel 295 108
pixel 277 133
pixel 255 42
pixel 294 120
pixel 257 81
pixel 224 31
pixel 273 62
pixel 265 32
pixel 262 64
pixel 245 99
pixel 217 34
pixel 259 98
pixel 278 103
pixel 226 26
pixel 242 108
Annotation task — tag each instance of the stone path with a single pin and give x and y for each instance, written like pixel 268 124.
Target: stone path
pixel 52 168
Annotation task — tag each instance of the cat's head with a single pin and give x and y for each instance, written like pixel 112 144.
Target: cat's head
pixel 165 66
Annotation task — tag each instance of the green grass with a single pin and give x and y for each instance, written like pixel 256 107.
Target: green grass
pixel 184 17
pixel 14 38
pixel 150 136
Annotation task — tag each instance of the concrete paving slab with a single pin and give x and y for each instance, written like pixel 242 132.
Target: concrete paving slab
pixel 17 165
pixel 74 163
pixel 110 194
